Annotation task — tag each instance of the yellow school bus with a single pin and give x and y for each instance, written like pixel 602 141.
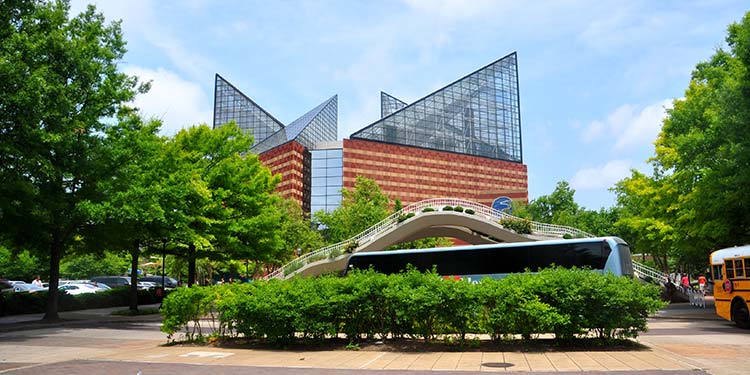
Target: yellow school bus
pixel 730 269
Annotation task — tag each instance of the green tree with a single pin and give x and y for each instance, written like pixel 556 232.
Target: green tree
pixel 296 232
pixel 86 266
pixel 58 80
pixel 224 209
pixel 131 215
pixel 701 180
pixel 360 208
pixel 21 265
pixel 559 207
pixel 647 207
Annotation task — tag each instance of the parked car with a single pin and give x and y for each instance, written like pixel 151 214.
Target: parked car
pixel 112 281
pixel 79 288
pixel 170 282
pixel 147 285
pixel 27 288
pixel 6 286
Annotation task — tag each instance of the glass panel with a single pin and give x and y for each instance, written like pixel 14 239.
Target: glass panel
pixel 739 270
pixel 729 265
pixel 335 163
pixel 335 172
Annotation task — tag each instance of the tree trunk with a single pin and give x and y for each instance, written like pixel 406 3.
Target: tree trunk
pixel 191 265
pixel 135 253
pixel 56 250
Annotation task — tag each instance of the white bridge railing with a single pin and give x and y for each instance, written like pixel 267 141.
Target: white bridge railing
pixel 645 272
pixel 332 252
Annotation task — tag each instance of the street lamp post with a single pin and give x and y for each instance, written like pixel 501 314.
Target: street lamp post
pixel 163 258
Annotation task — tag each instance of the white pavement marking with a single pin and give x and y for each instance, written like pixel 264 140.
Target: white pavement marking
pixel 207 354
pixel 372 360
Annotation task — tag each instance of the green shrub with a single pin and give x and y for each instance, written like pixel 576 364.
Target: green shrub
pixel 469 211
pixel 447 208
pixel 428 209
pixel 365 304
pixel 521 226
pixel 186 306
pixel 458 209
pixel 30 303
pixel 403 217
pixel 567 236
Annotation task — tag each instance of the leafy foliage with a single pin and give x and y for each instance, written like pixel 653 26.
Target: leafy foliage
pixel 20 266
pixel 696 199
pixel 522 226
pixel 360 208
pixel 366 304
pixel 60 80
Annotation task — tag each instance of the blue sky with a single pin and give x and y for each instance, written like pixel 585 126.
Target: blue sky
pixel 595 76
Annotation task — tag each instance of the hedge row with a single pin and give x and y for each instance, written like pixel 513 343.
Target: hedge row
pixel 31 303
pixel 567 303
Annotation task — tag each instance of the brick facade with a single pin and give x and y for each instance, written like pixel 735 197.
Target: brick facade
pixel 291 160
pixel 412 174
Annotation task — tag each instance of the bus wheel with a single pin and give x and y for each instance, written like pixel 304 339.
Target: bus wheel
pixel 740 314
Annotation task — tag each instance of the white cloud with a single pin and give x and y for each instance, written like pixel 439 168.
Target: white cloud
pixel 601 177
pixel 177 102
pixel 629 126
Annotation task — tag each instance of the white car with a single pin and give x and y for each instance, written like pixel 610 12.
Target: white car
pixel 78 288
pixel 147 284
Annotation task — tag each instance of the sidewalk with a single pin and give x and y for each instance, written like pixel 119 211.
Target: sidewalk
pixel 85 338
pixel 34 321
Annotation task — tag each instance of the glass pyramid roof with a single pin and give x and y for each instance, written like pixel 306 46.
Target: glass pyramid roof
pixel 317 125
pixel 231 104
pixel 389 104
pixel 475 115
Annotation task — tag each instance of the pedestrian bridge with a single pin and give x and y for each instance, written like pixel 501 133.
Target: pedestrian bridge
pixel 475 223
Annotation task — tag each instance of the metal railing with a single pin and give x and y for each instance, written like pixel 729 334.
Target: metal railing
pixel 333 252
pixel 645 272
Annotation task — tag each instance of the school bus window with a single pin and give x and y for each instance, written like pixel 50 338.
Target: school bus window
pixel 747 267
pixel 738 269
pixel 730 269
pixel 717 273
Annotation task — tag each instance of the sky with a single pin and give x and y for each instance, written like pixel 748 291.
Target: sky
pixel 595 77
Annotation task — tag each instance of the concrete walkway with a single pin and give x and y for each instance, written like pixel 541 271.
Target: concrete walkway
pixel 95 336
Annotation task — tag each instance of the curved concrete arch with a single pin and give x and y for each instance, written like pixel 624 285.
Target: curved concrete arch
pixel 431 222
pixel 474 229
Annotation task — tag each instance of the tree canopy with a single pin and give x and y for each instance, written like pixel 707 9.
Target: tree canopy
pixel 696 200
pixel 58 82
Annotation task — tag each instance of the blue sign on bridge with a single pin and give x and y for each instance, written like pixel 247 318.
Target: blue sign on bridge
pixel 503 204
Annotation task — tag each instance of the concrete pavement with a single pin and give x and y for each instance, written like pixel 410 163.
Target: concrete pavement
pixel 680 341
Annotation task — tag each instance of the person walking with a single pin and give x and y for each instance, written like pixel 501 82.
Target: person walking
pixel 702 284
pixel 685 282
pixel 37 281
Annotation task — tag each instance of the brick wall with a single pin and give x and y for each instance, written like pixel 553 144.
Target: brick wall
pixel 412 174
pixel 292 161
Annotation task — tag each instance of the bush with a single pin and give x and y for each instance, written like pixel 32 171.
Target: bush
pixel 567 236
pixel 458 209
pixel 404 217
pixel 447 208
pixel 469 211
pixel 520 226
pixel 31 303
pixel 428 209
pixel 366 304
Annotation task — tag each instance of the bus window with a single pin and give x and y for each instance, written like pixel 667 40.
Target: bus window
pixel 717 275
pixel 730 268
pixel 739 271
pixel 747 267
